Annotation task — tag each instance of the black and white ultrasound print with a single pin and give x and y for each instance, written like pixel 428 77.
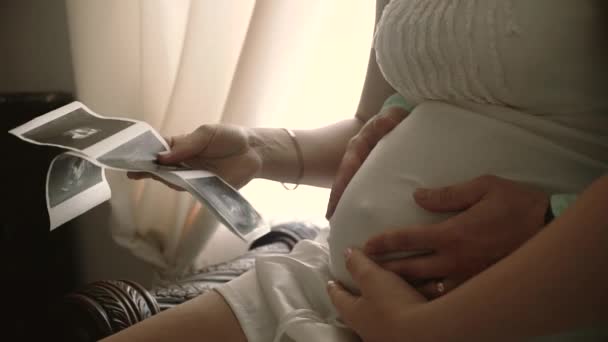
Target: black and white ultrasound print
pixel 228 203
pixel 138 154
pixel 70 176
pixel 77 130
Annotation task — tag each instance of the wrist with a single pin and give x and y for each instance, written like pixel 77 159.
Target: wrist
pixel 421 320
pixel 276 152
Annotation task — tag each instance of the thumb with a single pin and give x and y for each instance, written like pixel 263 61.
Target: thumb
pixel 373 280
pixel 344 301
pixel 183 148
pixel 452 198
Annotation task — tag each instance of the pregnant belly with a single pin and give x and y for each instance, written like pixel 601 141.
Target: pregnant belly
pixel 438 145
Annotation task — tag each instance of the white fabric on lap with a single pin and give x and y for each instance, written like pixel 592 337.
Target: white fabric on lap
pixel 285 298
pixel 248 305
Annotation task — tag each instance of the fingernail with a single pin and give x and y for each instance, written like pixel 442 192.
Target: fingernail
pixel 421 193
pixel 347 253
pixel 331 284
pixel 163 153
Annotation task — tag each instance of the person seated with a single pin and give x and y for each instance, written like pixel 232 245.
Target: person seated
pixel 507 88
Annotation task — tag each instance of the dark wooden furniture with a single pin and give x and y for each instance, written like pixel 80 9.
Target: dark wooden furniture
pixel 103 308
pixel 37 267
pixel 43 294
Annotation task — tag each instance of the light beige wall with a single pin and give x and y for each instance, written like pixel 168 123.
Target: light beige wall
pixel 34 46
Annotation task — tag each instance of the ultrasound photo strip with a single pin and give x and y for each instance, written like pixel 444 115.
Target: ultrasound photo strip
pixel 74 185
pixel 75 127
pixel 76 180
pixel 228 204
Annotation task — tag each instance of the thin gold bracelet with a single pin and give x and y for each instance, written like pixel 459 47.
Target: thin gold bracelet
pixel 292 135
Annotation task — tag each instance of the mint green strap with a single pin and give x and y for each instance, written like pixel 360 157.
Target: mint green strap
pixel 396 100
pixel 560 202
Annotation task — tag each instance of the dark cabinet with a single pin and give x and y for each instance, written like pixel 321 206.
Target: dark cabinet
pixel 38 266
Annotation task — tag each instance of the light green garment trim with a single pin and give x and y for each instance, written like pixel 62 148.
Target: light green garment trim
pixel 396 100
pixel 560 202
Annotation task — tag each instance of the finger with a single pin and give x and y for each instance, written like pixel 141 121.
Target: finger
pixel 146 175
pixel 455 197
pixel 359 149
pixel 351 162
pixel 372 280
pixel 414 238
pixel 452 233
pixel 169 141
pixel 436 288
pixel 184 147
pixel 416 268
pixel 137 175
pixel 170 185
pixel 379 126
pixel 187 146
pixel 382 124
pixel 344 301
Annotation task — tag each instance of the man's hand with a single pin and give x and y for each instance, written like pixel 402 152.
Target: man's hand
pixel 380 312
pixel 359 147
pixel 498 216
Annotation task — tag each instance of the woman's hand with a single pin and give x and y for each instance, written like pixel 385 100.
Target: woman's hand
pixel 359 147
pixel 225 150
pixel 381 312
pixel 499 216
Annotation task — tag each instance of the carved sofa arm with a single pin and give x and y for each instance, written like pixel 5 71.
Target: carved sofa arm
pixel 103 308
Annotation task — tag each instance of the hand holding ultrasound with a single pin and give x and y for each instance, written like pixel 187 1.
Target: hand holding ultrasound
pixel 76 181
pixel 226 150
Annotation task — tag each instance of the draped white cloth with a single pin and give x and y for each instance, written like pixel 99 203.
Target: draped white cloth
pixel 177 64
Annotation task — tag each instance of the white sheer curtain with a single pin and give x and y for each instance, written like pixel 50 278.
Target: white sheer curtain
pixel 180 63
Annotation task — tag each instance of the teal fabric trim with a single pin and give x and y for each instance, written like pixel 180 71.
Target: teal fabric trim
pixel 396 100
pixel 560 202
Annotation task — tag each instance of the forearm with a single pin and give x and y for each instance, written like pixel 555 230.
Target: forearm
pixel 322 148
pixel 557 281
pixel 322 151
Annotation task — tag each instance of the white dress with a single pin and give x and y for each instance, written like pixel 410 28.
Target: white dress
pixel 505 87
